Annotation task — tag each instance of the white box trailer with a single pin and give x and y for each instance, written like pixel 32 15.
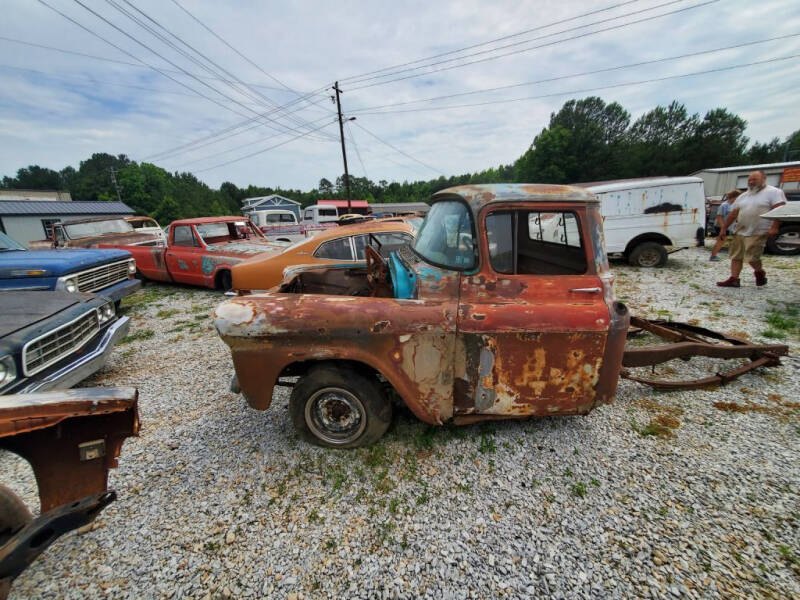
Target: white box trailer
pixel 646 219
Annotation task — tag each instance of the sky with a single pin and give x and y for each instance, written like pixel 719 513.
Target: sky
pixel 170 86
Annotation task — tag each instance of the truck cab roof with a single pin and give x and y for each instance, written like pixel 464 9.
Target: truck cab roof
pixel 478 196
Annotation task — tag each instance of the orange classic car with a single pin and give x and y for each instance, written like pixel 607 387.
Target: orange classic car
pixel 336 247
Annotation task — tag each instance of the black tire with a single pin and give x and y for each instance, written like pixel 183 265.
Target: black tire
pixel 791 232
pixel 648 255
pixel 338 407
pixel 225 281
pixel 14 515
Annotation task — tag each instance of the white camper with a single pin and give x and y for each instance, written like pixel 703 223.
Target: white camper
pixel 645 219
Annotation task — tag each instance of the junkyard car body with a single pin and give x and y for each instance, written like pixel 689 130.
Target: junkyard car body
pixel 54 340
pixel 340 245
pixel 147 225
pixel 202 251
pixel 483 318
pixel 71 439
pixel 95 232
pixel 107 272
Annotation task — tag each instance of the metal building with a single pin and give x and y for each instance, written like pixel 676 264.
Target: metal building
pixel 27 215
pixel 719 181
pixel 267 202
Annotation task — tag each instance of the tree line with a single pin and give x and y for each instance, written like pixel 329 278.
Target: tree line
pixel 586 140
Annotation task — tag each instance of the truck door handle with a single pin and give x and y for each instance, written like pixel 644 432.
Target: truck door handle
pixel 592 290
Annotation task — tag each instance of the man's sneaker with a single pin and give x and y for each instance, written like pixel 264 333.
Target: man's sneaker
pixel 761 278
pixel 729 282
pixel 714 258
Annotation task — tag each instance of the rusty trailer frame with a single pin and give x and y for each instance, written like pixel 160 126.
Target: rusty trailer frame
pixel 691 340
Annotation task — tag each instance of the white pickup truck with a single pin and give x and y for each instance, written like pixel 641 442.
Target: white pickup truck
pixel 282 226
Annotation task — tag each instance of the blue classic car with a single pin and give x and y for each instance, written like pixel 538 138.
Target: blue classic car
pixel 53 340
pixel 108 272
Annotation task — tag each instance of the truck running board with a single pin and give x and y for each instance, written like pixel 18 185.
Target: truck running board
pixel 690 340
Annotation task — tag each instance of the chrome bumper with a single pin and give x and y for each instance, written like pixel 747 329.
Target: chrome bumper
pixel 84 365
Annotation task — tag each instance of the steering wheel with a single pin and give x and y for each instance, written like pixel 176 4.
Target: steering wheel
pixel 376 270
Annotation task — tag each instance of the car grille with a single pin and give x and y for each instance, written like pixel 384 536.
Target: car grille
pixel 48 349
pixel 100 278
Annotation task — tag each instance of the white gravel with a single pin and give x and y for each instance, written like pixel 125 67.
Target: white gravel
pixel 218 500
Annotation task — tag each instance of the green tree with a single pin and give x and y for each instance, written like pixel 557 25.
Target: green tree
pixel 168 211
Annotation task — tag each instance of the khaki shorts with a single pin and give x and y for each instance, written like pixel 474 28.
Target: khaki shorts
pixel 747 247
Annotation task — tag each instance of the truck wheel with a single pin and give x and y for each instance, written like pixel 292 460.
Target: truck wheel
pixel 225 281
pixel 339 408
pixel 648 254
pixel 14 515
pixel 787 233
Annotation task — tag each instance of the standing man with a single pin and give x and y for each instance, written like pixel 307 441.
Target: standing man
pixel 722 213
pixel 752 231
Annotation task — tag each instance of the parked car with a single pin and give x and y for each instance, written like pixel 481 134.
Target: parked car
pixel 54 340
pixel 71 439
pixel 477 320
pixel 202 251
pixel 94 232
pixel 281 225
pixel 147 225
pixel 107 272
pixel 788 239
pixel 340 245
pixel 643 217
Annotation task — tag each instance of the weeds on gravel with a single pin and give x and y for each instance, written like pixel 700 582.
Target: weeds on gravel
pixel 578 489
pixel 660 426
pixel 166 313
pixel 486 444
pixel 783 320
pixel 139 334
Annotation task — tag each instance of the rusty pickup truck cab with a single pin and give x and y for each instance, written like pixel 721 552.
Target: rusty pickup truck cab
pixel 484 317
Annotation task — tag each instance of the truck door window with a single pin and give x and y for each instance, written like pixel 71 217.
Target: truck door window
pixel 338 249
pixel 542 243
pixel 183 236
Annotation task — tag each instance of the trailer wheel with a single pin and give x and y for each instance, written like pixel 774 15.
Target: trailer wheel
pixel 786 233
pixel 648 254
pixel 338 407
pixel 14 515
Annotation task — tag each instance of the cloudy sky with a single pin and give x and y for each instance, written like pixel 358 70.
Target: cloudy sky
pixel 235 79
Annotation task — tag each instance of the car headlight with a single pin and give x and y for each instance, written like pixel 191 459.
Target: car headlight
pixel 105 313
pixel 132 267
pixel 68 284
pixel 8 370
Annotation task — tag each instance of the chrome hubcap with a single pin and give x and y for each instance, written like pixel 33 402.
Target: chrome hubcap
pixel 335 415
pixel 649 259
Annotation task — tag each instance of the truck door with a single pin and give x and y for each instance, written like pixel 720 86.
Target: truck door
pixel 533 323
pixel 184 256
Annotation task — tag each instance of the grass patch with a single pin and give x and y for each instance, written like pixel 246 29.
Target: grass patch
pixel 578 489
pixel 653 428
pixel 486 444
pixel 783 320
pixel 166 313
pixel 141 334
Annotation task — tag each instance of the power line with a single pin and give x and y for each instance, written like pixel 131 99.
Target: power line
pixel 505 37
pixel 552 43
pixel 584 73
pixel 358 154
pixel 132 64
pixel 297 137
pixel 396 149
pixel 584 90
pixel 250 93
pixel 181 52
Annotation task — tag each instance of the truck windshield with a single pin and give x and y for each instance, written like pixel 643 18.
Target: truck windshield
pixel 7 244
pixel 76 231
pixel 445 237
pixel 216 233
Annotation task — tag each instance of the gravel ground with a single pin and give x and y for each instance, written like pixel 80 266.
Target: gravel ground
pixel 656 495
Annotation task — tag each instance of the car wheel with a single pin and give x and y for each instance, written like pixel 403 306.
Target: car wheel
pixel 225 281
pixel 648 254
pixel 339 408
pixel 14 515
pixel 787 233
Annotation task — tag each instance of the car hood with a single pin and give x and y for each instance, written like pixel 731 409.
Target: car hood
pixel 22 309
pixel 55 263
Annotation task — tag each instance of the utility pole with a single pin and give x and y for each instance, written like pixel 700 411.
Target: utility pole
pixel 114 181
pixel 344 152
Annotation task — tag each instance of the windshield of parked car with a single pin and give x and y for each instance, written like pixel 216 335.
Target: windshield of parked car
pixel 142 223
pixel 76 231
pixel 7 244
pixel 445 237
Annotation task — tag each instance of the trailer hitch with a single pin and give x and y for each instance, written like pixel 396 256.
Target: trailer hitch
pixel 691 340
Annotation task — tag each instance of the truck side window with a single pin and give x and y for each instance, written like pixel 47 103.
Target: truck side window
pixel 58 233
pixel 183 236
pixel 535 243
pixel 338 249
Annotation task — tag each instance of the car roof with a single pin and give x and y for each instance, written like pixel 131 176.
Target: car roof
pixel 204 220
pixel 374 226
pixel 478 196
